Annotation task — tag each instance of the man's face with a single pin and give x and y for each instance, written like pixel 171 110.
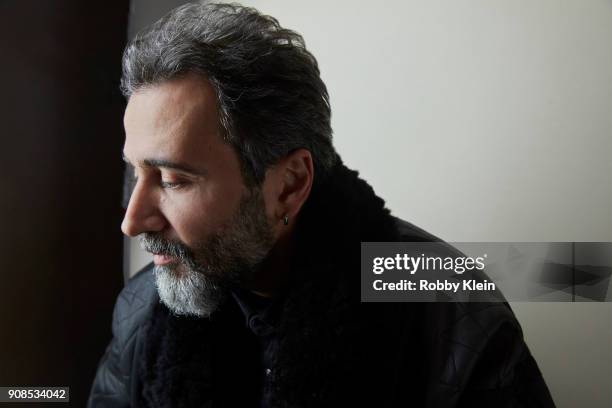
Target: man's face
pixel 189 204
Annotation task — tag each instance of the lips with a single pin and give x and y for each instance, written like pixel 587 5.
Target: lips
pixel 162 259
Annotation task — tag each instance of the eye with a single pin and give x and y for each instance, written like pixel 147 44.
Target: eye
pixel 170 184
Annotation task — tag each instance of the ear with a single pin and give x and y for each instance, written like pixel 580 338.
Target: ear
pixel 287 186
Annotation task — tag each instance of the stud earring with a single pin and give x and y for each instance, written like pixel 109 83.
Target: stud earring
pixel 286 219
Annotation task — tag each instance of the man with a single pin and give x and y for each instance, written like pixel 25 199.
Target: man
pixel 251 216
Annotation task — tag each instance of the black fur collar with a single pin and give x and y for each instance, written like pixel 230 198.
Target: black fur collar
pixel 324 332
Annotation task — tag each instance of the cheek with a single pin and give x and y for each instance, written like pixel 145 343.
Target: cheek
pixel 194 215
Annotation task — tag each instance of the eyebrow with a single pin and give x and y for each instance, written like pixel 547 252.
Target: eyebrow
pixel 167 164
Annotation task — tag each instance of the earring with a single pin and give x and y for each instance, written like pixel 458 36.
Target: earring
pixel 286 219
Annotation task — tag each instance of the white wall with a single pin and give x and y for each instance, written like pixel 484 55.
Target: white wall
pixel 482 120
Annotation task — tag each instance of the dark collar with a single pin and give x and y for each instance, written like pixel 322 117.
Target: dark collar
pixel 322 328
pixel 262 314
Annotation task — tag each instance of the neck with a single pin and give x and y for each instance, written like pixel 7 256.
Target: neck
pixel 271 278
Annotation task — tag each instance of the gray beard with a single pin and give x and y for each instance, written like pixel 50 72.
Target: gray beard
pixel 188 292
pixel 202 278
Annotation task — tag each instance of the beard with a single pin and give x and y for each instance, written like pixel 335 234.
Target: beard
pixel 201 278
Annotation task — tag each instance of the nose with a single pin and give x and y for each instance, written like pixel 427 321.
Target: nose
pixel 142 214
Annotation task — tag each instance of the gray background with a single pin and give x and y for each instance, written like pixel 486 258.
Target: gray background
pixel 478 120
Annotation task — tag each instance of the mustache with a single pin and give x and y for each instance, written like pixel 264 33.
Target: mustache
pixel 157 244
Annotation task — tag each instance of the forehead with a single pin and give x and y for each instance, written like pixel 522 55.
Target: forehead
pixel 173 119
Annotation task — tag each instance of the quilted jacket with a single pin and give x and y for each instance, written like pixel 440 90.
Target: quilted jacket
pixel 334 350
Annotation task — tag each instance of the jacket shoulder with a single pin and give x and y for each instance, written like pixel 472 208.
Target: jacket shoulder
pixel 478 353
pixel 411 233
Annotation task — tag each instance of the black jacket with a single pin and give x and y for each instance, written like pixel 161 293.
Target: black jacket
pixel 334 350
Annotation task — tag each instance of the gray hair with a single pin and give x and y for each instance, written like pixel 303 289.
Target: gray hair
pixel 270 96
